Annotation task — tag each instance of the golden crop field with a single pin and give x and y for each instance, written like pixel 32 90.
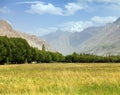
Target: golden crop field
pixel 60 79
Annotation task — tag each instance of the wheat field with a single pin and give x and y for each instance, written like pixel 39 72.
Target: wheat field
pixel 60 79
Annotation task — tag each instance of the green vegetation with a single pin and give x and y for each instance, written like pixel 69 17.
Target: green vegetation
pixel 88 58
pixel 60 79
pixel 18 51
pixel 13 50
pixel 54 79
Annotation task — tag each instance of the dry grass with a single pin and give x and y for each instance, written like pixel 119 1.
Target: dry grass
pixel 60 79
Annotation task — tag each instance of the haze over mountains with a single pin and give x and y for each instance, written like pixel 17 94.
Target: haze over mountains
pixel 7 30
pixel 101 40
pixel 96 40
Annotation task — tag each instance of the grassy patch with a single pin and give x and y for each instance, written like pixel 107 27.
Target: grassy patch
pixel 60 79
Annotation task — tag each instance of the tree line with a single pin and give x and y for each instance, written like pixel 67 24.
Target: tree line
pixel 18 51
pixel 90 58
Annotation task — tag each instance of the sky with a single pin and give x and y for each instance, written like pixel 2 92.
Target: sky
pixel 40 17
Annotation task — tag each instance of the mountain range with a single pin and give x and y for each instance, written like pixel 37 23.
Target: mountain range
pixel 101 40
pixel 34 41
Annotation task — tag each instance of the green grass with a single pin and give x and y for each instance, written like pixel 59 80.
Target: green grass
pixel 60 79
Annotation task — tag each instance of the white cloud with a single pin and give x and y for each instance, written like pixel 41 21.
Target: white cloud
pixel 4 10
pixel 41 8
pixel 69 27
pixel 72 8
pixel 38 7
pixel 103 20
pixel 75 26
pixel 81 25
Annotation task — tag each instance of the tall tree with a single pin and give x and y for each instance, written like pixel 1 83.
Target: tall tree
pixel 43 47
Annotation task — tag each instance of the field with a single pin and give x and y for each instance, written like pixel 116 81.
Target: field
pixel 60 79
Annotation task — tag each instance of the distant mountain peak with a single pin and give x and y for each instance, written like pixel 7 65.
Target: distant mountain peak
pixel 117 21
pixel 4 24
pixel 7 30
pixel 101 40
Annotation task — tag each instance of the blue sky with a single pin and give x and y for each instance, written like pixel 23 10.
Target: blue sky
pixel 40 17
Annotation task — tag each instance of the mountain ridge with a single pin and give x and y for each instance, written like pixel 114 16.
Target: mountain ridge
pixel 101 40
pixel 34 41
pixel 106 42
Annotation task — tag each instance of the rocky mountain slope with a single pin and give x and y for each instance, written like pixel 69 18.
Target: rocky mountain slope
pixel 68 42
pixel 105 42
pixel 96 40
pixel 60 41
pixel 7 30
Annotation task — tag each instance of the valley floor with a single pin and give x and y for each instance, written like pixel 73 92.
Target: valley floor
pixel 60 79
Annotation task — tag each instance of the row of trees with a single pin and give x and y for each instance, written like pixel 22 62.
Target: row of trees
pixel 17 51
pixel 88 58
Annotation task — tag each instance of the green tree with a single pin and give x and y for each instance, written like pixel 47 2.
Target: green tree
pixel 43 47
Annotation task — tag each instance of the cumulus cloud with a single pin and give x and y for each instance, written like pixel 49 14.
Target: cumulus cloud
pixel 38 7
pixel 78 26
pixel 81 25
pixel 41 8
pixel 72 8
pixel 4 10
pixel 103 20
pixel 75 26
pixel 68 26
